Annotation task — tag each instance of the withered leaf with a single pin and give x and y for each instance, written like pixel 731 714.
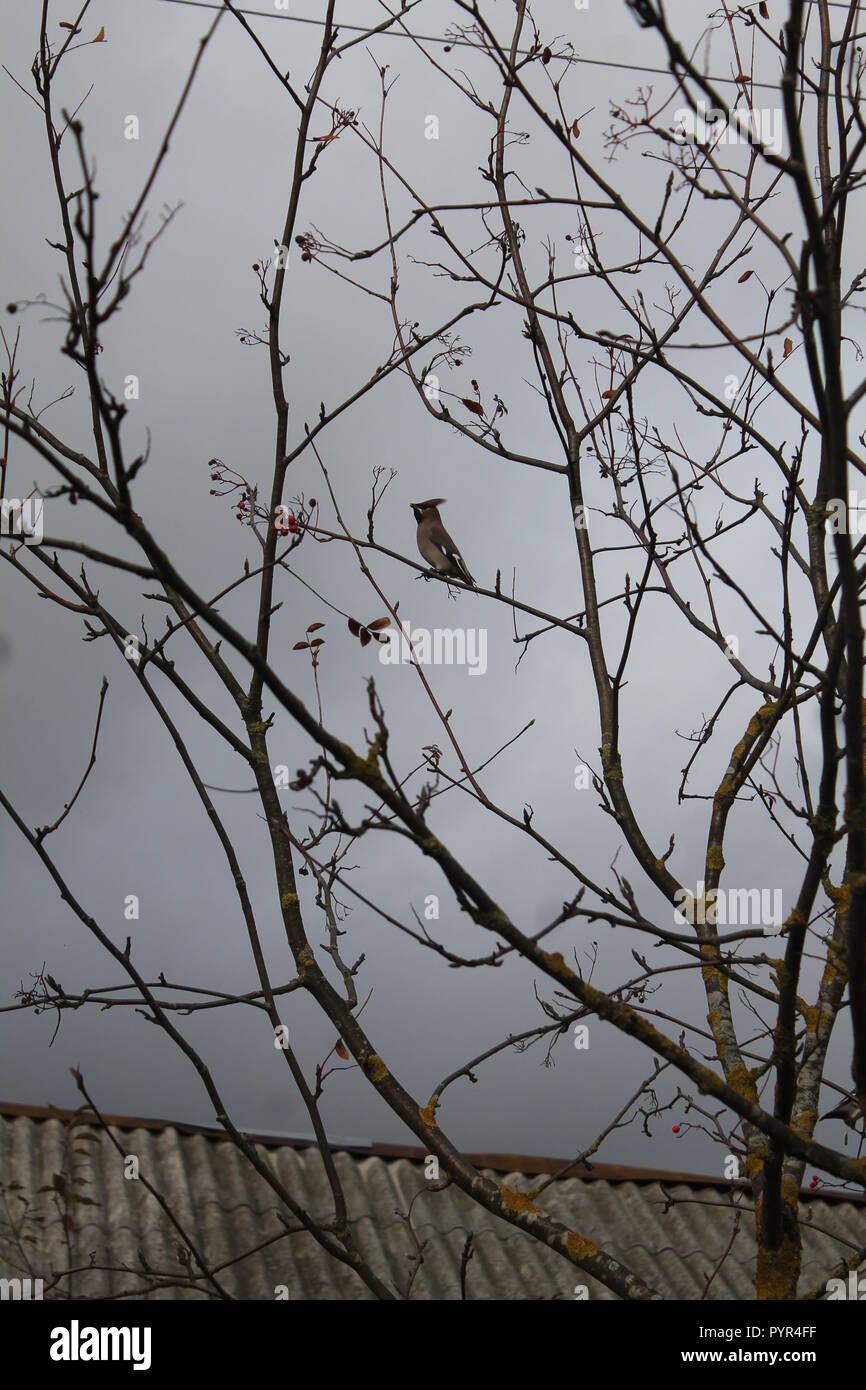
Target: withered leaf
pixel 299 647
pixel 765 13
pixel 354 626
pixel 317 642
pixel 379 624
pixel 745 276
pixel 789 347
pixel 100 37
pixel 575 130
pixel 606 395
pixel 365 637
pixel 342 1050
pixel 546 56
pixel 314 627
pixel 474 406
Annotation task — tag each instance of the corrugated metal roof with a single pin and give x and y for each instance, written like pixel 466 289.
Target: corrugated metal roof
pixel 672 1233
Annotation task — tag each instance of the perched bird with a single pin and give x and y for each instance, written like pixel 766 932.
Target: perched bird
pixel 435 544
pixel 851 1111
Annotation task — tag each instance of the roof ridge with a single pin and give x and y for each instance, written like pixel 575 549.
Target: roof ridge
pixel 528 1164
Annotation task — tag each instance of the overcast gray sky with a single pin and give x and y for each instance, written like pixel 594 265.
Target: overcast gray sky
pixel 138 827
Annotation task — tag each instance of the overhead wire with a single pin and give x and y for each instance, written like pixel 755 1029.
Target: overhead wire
pixel 457 41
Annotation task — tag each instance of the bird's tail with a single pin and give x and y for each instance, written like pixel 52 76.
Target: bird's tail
pixel 460 565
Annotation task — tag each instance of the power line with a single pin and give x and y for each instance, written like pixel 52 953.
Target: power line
pixel 457 42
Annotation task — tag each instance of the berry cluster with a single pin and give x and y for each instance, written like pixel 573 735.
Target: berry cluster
pixel 289 524
pixel 232 484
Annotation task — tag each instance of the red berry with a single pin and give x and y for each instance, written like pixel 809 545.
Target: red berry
pixel 675 1128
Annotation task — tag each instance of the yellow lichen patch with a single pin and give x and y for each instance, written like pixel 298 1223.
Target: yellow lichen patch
pixel 517 1201
pixel 715 858
pixel 428 1114
pixel 713 979
pixel 305 960
pixel 740 1080
pixel 805 1123
pixel 790 1192
pixel 779 1270
pixel 557 964
pixel 288 899
pixel 375 1067
pixel 611 764
pixel 810 1013
pixel 728 786
pixel 579 1248
pixel 764 715
pixel 753 1168
pixel 371 762
pixel 839 897
pixel 257 727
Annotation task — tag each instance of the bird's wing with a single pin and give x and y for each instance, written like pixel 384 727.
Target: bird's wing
pixel 439 536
